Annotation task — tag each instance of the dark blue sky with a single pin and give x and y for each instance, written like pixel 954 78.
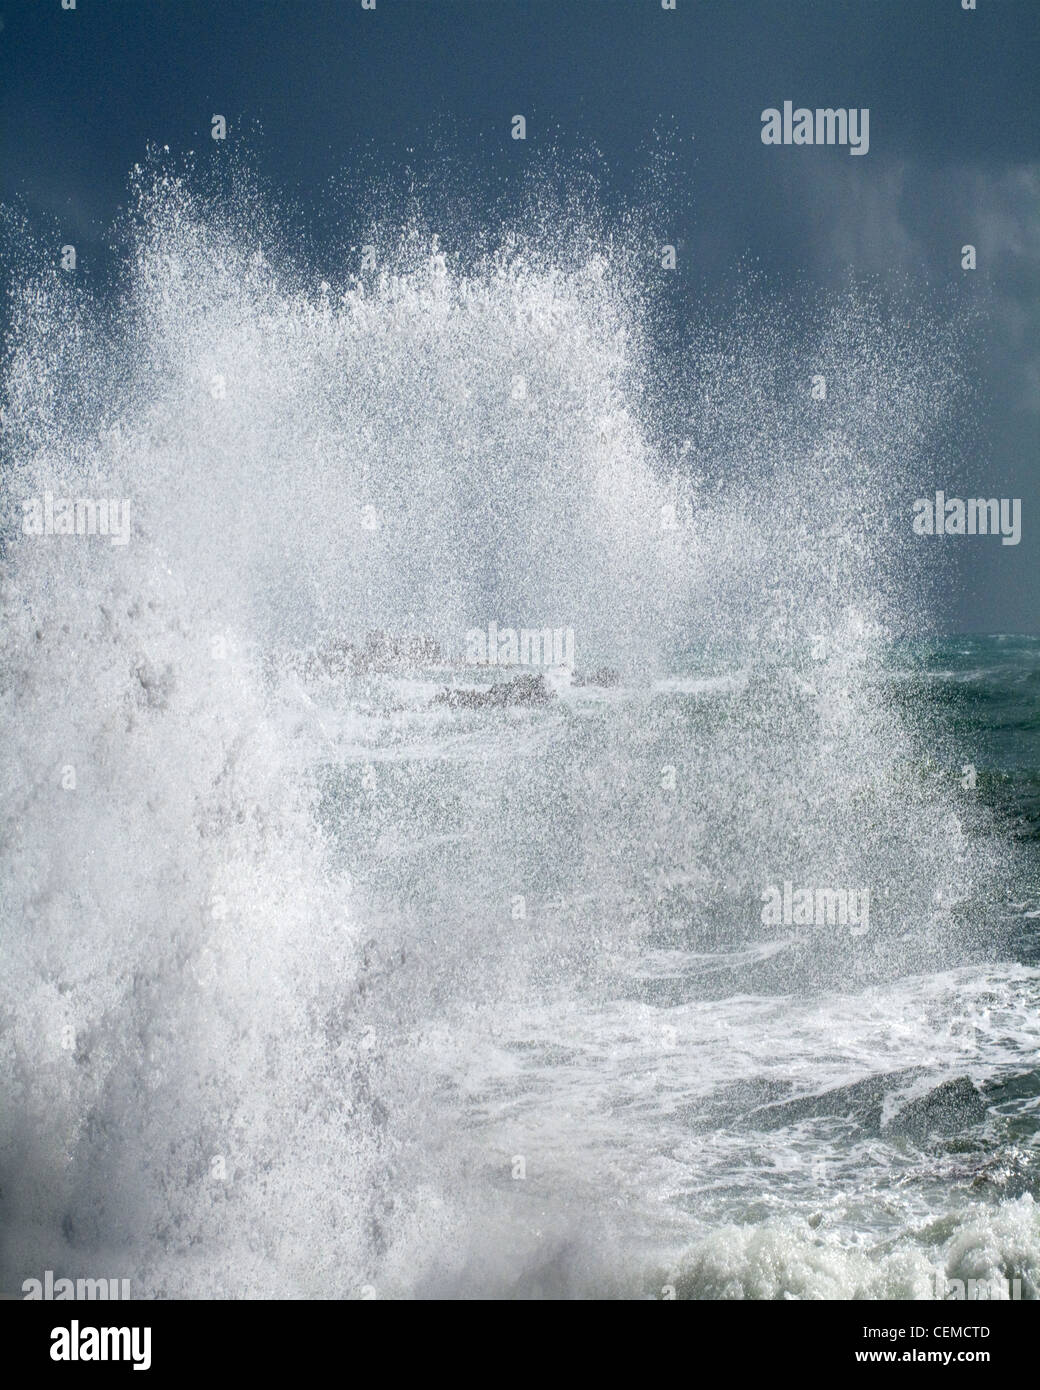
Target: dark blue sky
pixel 321 88
pixel 84 92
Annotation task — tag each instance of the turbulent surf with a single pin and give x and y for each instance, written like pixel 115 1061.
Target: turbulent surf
pixel 335 965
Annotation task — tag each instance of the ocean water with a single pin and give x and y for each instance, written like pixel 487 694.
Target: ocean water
pixel 315 986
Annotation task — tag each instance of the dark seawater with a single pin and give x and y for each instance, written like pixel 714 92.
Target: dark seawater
pixel 815 1118
pixel 985 691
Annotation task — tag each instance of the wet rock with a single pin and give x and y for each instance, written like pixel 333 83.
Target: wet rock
pixel 605 676
pixel 950 1108
pixel 521 690
pixel 383 653
pixel 386 651
pixel 862 1101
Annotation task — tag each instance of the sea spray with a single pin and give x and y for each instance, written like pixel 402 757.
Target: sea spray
pixel 261 934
